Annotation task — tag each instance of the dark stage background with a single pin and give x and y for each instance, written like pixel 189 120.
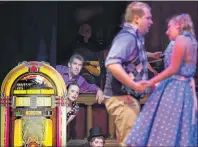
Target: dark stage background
pixel 42 30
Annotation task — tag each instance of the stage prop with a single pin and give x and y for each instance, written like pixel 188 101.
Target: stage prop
pixel 33 108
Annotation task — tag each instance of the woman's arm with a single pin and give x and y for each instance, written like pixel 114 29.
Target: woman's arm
pixel 181 43
pixel 70 119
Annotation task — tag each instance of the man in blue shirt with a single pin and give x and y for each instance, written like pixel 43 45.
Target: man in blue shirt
pixel 126 63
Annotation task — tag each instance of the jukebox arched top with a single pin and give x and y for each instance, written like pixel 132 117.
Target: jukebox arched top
pixel 28 77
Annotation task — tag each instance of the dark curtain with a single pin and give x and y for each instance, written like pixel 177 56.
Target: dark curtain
pixel 27 33
pixel 162 10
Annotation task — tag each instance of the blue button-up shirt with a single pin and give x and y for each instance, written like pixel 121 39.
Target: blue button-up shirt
pixel 128 50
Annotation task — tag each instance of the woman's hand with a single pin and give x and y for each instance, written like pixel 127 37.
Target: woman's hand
pixel 146 84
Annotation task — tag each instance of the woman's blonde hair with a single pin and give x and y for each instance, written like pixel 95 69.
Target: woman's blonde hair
pixel 185 22
pixel 135 8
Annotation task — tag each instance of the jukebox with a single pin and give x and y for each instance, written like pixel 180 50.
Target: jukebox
pixel 30 116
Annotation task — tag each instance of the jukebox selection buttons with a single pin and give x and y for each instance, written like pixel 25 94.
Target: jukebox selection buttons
pixel 33 113
pixel 39 101
pixel 22 101
pixel 33 102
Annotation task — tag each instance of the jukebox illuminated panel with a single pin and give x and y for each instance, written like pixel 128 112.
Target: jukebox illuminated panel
pixel 31 117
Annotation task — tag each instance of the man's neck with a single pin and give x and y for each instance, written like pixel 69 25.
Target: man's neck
pixel 135 27
pixel 86 40
pixel 70 74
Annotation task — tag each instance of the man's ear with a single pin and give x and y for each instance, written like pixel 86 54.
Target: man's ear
pixel 136 19
pixel 69 65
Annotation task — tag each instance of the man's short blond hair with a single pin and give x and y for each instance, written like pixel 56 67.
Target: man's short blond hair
pixel 135 8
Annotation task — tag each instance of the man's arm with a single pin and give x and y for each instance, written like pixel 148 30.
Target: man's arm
pixel 119 73
pixel 151 69
pixel 61 69
pixel 87 87
pixel 155 55
pixel 122 49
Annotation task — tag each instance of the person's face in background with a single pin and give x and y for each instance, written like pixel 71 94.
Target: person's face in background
pixel 85 31
pixel 73 93
pixel 75 67
pixel 97 142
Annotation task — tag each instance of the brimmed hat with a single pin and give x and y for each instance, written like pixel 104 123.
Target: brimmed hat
pixel 94 132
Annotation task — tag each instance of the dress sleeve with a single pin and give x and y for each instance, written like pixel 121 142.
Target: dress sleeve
pixel 75 108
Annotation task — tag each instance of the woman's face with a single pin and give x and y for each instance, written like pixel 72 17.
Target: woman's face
pixel 73 93
pixel 172 30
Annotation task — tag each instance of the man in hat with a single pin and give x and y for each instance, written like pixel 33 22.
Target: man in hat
pixel 95 139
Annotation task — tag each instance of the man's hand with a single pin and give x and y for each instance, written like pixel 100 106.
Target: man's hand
pixel 154 72
pixel 139 87
pixel 155 55
pixel 152 69
pixel 99 96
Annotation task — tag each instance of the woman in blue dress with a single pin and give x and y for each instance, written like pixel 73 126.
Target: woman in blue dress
pixel 169 118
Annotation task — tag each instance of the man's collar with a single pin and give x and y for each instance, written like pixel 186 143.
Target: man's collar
pixel 70 75
pixel 135 28
pixel 67 72
pixel 130 25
